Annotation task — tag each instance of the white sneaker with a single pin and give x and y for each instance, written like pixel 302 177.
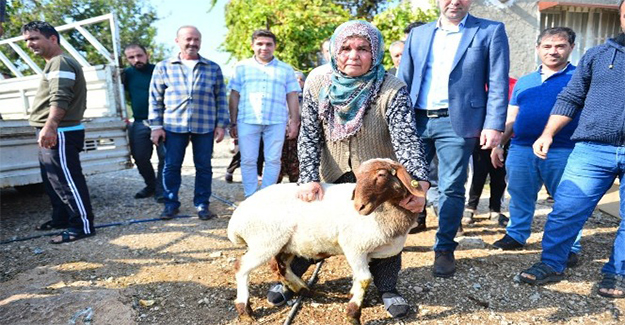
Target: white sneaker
pixel 467 217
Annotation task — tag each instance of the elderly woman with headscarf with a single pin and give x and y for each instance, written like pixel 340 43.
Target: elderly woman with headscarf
pixel 354 113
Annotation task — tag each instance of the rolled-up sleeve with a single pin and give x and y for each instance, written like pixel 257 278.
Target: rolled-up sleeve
pixel 223 114
pixel 291 83
pixel 407 145
pixel 157 95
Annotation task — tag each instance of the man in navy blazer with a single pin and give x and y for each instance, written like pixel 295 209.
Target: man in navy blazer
pixel 456 70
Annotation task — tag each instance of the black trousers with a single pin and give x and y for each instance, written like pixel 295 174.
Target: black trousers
pixel 385 271
pixel 141 148
pixel 65 183
pixel 482 168
pixel 236 161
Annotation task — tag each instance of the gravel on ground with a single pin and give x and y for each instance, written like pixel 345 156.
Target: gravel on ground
pixel 181 271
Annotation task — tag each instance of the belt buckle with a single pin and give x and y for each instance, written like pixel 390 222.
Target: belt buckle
pixel 431 113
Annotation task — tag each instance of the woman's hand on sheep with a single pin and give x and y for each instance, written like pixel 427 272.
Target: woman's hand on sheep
pixel 310 191
pixel 415 204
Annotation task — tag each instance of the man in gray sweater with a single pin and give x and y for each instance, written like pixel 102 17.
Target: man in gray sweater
pixel 596 92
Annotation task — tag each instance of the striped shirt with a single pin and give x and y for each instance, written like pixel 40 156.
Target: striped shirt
pixel 263 89
pixel 62 85
pixel 182 109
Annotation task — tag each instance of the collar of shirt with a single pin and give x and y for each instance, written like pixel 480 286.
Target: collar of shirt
pixel 177 59
pixel 272 62
pixel 434 93
pixel 544 77
pixel 454 29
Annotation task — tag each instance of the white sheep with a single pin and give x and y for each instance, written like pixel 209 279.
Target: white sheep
pixel 361 221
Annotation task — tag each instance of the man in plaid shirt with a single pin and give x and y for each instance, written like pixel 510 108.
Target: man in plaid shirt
pixel 262 88
pixel 187 102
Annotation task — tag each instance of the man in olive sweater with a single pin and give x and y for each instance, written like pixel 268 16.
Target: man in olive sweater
pixel 57 112
pixel 598 158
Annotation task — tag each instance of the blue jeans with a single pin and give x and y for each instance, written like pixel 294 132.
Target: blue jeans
pixel 175 147
pixel 526 175
pixel 590 172
pixel 453 154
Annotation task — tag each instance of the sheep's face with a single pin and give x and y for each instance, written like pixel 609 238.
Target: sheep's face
pixel 377 183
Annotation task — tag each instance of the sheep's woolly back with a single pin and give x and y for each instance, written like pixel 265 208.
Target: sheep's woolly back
pixel 273 209
pixel 274 220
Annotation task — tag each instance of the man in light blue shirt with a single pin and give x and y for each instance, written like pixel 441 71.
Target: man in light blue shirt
pixel 262 88
pixel 448 65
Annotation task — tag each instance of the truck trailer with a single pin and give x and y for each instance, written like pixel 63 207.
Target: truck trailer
pixel 106 145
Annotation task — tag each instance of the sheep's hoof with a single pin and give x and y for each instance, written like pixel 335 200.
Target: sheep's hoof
pixel 353 313
pixel 245 312
pixel 353 321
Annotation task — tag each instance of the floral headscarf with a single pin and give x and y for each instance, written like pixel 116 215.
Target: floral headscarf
pixel 343 102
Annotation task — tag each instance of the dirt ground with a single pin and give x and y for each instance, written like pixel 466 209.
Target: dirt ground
pixel 181 271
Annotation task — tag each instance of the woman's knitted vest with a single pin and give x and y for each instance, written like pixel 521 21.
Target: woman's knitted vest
pixel 373 140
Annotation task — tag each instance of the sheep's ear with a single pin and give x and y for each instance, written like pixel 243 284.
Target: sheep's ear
pixel 412 185
pixel 353 194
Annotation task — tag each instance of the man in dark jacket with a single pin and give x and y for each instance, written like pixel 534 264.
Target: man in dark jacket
pixel 137 84
pixel 595 91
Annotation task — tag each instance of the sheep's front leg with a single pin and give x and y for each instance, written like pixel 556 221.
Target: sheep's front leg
pixel 362 279
pixel 243 267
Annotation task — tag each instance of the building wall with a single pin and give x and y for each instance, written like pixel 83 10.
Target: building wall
pixel 522 20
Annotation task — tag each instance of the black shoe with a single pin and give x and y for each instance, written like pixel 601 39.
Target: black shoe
pixel 278 295
pixel 444 264
pixel 169 213
pixel 158 196
pixel 229 178
pixel 395 305
pixel 507 243
pixel 573 260
pixel 420 223
pixel 144 193
pixel 502 220
pixel 204 213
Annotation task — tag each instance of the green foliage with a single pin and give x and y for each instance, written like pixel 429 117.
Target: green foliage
pixel 392 22
pixel 362 9
pixel 300 27
pixel 135 22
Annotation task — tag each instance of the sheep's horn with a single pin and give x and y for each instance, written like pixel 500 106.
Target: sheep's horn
pixel 412 185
